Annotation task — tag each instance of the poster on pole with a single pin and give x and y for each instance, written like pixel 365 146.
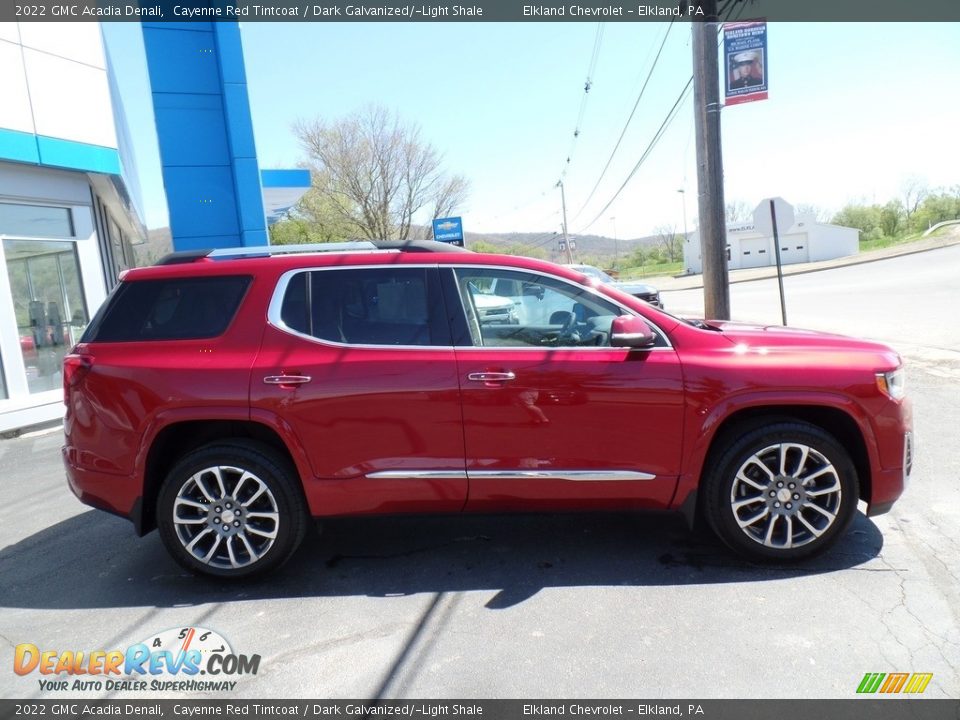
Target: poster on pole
pixel 745 53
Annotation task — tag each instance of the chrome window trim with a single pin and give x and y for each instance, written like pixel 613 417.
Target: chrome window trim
pixel 276 304
pixel 274 316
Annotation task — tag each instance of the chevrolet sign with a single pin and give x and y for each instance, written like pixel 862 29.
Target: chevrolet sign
pixel 449 230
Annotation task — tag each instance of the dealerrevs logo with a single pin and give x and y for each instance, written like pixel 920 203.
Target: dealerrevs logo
pixel 179 659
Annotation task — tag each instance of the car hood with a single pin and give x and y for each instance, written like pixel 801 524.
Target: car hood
pixel 772 337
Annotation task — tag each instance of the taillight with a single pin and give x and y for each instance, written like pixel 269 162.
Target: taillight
pixel 75 368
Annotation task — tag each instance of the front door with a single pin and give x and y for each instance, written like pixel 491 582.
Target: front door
pixel 554 417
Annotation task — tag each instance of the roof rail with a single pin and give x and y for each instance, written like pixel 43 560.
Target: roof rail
pixel 263 250
pixel 424 246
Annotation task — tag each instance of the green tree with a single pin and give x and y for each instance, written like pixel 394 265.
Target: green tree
pixel 866 218
pixel 944 205
pixel 313 220
pixel 891 218
pixel 482 246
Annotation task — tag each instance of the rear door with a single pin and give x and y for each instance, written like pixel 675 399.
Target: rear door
pixel 358 361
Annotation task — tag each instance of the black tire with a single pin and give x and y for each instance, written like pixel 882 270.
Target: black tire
pixel 269 503
pixel 741 510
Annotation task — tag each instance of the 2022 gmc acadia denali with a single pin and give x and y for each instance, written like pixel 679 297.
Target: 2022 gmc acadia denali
pixel 226 397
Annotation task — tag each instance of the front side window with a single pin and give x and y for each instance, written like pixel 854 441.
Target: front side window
pixel 367 306
pixel 508 308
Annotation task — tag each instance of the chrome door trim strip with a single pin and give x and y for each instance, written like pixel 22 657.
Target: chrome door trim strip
pixel 417 475
pixel 572 475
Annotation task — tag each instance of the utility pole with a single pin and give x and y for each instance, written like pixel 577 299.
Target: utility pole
pixel 713 226
pixel 566 239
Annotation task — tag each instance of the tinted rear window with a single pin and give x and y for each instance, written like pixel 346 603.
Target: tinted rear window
pixel 369 306
pixel 174 309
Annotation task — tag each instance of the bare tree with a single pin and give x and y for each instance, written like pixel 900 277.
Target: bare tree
pixel 451 195
pixel 738 211
pixel 915 191
pixel 376 172
pixel 821 214
pixel 669 243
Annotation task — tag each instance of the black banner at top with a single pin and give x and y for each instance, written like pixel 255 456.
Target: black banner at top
pixel 475 10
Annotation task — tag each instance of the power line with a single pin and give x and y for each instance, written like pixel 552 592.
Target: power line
pixel 588 84
pixel 646 153
pixel 671 115
pixel 629 120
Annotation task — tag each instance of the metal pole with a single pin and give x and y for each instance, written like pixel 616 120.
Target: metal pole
pixel 713 227
pixel 776 245
pixel 566 239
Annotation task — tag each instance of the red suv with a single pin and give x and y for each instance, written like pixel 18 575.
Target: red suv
pixel 227 397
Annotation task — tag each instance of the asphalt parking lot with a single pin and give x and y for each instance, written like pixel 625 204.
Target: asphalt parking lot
pixel 527 606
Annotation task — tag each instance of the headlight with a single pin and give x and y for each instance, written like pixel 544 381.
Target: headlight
pixel 892 383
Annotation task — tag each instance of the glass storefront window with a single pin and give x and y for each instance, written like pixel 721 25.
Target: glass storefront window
pixel 48 304
pixel 119 255
pixel 35 221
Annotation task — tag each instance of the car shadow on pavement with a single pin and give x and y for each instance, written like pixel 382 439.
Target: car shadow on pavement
pixel 93 560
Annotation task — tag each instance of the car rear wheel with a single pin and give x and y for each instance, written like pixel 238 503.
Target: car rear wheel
pixel 231 510
pixel 783 492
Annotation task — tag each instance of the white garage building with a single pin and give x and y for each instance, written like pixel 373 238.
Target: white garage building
pixel 807 241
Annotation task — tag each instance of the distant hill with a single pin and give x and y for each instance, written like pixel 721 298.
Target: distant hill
pixel 591 248
pixel 596 246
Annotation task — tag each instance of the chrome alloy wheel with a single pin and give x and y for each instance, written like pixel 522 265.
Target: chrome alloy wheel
pixel 786 495
pixel 226 517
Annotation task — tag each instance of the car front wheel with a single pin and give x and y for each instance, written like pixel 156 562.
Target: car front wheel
pixel 783 492
pixel 231 510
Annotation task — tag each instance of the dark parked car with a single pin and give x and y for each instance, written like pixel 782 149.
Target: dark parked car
pixel 647 293
pixel 225 398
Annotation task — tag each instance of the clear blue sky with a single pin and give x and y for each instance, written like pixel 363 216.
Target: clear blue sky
pixel 854 111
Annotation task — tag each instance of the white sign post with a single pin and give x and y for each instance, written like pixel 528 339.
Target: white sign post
pixel 771 215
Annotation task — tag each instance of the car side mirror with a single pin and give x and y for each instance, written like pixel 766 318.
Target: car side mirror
pixel 631 331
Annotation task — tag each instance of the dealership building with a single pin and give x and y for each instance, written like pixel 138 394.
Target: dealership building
pixel 805 241
pixel 70 207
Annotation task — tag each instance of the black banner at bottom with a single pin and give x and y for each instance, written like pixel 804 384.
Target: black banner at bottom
pixel 853 709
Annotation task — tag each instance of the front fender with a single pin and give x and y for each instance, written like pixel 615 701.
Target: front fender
pixel 704 423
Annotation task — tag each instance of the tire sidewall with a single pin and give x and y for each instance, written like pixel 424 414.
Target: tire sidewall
pixel 268 468
pixel 721 516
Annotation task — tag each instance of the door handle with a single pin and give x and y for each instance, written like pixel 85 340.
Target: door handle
pixel 491 376
pixel 287 379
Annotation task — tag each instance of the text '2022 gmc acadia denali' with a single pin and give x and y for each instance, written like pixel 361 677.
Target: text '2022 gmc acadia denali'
pixel 227 397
